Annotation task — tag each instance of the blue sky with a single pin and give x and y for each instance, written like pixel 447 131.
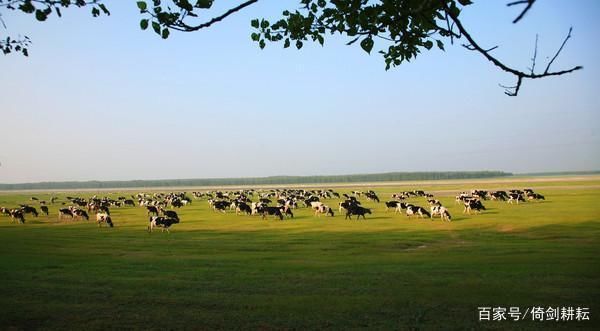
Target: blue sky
pixel 100 99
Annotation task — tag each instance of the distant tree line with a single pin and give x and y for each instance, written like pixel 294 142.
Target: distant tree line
pixel 273 180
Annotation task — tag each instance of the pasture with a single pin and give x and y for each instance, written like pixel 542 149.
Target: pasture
pixel 388 272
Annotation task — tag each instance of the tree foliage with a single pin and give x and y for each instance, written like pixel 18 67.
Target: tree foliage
pixel 397 29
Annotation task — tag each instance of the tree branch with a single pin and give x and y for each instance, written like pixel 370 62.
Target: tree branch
pixel 525 10
pixel 473 45
pixel 188 28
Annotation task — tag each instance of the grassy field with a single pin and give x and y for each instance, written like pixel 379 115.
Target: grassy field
pixel 222 271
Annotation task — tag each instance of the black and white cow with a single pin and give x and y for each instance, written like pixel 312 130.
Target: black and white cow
pixel 169 213
pixel 473 204
pixel 391 204
pixel 161 222
pixel 413 210
pixel 358 211
pixel 64 212
pixel 17 214
pixel 442 212
pixel 44 210
pixel 102 218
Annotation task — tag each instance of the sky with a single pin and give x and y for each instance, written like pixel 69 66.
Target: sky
pixel 99 99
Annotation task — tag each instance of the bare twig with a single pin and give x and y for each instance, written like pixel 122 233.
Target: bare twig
pixel 525 10
pixel 534 55
pixel 559 50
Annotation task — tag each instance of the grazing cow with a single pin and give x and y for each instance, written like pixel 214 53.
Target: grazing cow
pixel 391 204
pixel 151 210
pixel 243 207
pixel 104 218
pixel 498 195
pixel 221 205
pixel 44 210
pixel 128 202
pixel 323 209
pixel 161 222
pixel 434 202
pixel 473 204
pixel 63 212
pixel 29 210
pixel 17 214
pixel 275 211
pixel 81 213
pixel 371 196
pixel 416 210
pixel 358 211
pixel 104 209
pixel 535 196
pixel 442 212
pixel 5 211
pixel 169 213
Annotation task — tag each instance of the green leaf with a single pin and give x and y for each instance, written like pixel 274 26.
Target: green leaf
pixel 440 45
pixel 144 24
pixel 40 15
pixel 142 5
pixel 156 27
pixel 428 44
pixel 165 33
pixel 27 7
pixel 367 44
pixel 104 9
pixel 262 44
pixel 320 39
pixel 264 24
pixel 465 2
pixel 95 12
pixel 299 44
pixel 254 23
pixel 286 43
pixel 255 36
pixel 204 4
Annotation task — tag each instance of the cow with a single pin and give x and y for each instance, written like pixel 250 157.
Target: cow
pixel 104 218
pixel 401 206
pixel 498 195
pixel 44 210
pixel 29 210
pixel 416 210
pixel 151 210
pixel 358 211
pixel 535 196
pixel 63 212
pixel 391 204
pixel 161 222
pixel 5 211
pixel 17 214
pixel 81 213
pixel 169 213
pixel 221 205
pixel 442 212
pixel 515 197
pixel 473 204
pixel 323 209
pixel 243 207
pixel 128 202
pixel 275 211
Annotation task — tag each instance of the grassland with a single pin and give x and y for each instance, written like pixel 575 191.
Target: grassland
pixel 222 271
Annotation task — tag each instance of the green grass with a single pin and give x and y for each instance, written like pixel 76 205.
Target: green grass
pixel 218 271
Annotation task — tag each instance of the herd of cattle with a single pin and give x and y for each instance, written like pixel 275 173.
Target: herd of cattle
pixel 279 203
